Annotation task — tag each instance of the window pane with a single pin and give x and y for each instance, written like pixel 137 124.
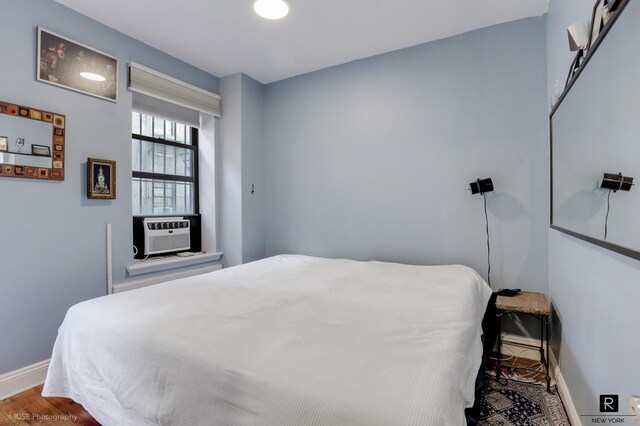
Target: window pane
pixel 158 158
pixel 180 197
pixel 169 130
pixel 147 156
pixel 188 207
pixel 169 197
pixel 135 197
pixel 159 197
pixel 147 197
pixel 147 125
pixel 183 160
pixel 180 161
pixel 180 129
pixel 135 123
pixel 189 197
pixel 188 164
pixel 158 127
pixel 135 155
pixel 170 160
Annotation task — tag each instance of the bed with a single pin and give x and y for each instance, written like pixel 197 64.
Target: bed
pixel 288 340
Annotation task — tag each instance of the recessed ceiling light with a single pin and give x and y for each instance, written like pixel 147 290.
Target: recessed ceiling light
pixel 271 9
pixel 92 76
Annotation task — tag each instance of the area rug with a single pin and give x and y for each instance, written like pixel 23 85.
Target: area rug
pixel 520 404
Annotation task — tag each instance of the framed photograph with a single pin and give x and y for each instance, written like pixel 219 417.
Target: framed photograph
pixel 4 144
pixel 72 65
pixel 596 22
pixel 101 178
pixel 41 150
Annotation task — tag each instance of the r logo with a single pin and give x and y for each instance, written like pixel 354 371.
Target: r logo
pixel 608 403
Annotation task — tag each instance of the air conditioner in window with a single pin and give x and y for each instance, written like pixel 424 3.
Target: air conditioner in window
pixel 166 234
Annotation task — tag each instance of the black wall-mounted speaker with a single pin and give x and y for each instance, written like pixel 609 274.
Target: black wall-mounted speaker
pixel 616 182
pixel 481 186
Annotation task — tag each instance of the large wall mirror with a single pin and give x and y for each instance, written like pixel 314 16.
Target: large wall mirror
pixel 596 130
pixel 32 142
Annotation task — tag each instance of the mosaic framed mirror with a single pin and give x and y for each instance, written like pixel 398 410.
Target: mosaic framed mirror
pixel 32 142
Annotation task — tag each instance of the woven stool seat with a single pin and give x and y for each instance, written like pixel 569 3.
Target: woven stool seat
pixel 525 302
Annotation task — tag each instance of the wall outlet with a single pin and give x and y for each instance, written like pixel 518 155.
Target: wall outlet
pixel 634 407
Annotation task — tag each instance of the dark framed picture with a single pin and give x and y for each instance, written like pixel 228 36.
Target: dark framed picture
pixel 41 150
pixel 4 144
pixel 72 65
pixel 596 22
pixel 101 178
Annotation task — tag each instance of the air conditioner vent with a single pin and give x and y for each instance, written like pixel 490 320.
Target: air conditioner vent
pixel 166 234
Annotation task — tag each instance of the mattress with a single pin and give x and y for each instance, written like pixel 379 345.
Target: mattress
pixel 288 340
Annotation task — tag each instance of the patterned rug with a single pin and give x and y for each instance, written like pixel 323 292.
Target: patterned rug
pixel 520 404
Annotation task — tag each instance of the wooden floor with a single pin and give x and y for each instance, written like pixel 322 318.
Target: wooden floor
pixel 31 408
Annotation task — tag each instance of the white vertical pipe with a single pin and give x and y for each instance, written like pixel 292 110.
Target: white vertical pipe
pixel 109 262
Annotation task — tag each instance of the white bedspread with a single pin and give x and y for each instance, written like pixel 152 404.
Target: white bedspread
pixel 289 340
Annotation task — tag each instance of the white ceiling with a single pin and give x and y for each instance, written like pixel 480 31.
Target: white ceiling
pixel 225 36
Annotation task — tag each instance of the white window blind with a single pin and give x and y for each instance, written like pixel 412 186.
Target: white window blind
pixel 159 108
pixel 161 95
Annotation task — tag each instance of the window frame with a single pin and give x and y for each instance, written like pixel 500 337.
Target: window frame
pixel 194 179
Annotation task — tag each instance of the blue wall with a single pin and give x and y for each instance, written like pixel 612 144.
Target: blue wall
pixel 595 292
pixel 366 160
pixel 230 184
pixel 372 159
pixel 52 250
pixel 253 170
pixel 242 169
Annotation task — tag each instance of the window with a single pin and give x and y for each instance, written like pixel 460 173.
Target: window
pixel 165 166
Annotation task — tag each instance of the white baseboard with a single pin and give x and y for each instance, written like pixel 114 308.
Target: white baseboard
pixel 512 343
pixel 565 396
pixel 22 379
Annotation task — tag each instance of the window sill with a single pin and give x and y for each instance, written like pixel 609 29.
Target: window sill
pixel 172 262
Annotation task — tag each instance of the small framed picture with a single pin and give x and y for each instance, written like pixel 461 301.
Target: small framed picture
pixel 41 150
pixel 4 144
pixel 596 22
pixel 101 179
